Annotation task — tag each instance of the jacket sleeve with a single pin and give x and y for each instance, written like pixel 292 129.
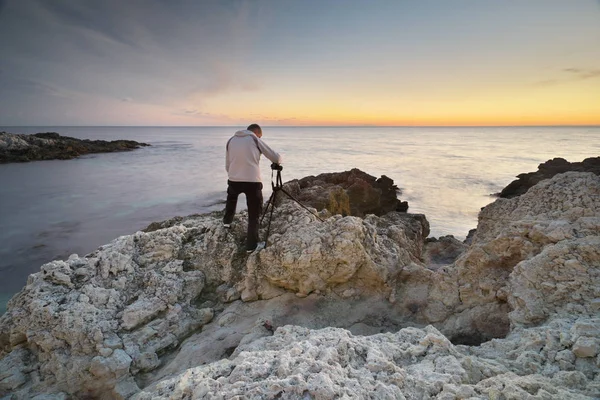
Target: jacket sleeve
pixel 269 152
pixel 227 161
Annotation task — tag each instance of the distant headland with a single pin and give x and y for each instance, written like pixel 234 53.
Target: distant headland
pixel 52 146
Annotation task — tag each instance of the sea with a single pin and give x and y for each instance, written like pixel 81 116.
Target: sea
pixel 52 209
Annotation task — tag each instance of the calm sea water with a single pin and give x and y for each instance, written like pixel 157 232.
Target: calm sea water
pixel 51 209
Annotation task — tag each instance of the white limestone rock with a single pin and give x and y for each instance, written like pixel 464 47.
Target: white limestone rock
pixel 86 326
pixel 534 256
pixel 150 308
pixel 332 363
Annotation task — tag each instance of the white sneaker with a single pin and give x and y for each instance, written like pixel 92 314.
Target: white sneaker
pixel 259 247
pixel 226 225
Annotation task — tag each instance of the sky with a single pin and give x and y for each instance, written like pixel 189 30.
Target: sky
pixel 300 62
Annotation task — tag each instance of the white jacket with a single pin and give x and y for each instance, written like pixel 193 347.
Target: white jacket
pixel 243 155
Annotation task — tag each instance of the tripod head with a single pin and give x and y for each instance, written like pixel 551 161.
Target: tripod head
pixel 278 181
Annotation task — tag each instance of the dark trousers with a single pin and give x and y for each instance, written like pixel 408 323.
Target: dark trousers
pixel 254 200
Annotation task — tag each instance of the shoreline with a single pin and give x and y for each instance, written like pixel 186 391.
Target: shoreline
pixel 545 170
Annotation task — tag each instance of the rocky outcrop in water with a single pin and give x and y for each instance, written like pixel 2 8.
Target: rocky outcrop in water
pixel 351 192
pixel 546 171
pixel 52 146
pixel 355 307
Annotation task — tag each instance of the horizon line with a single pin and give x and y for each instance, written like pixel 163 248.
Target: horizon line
pixel 303 126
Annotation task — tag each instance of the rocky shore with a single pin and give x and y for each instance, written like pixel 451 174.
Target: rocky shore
pixel 52 146
pixel 547 170
pixel 357 306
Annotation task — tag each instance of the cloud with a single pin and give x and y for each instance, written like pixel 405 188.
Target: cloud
pixel 579 73
pixel 160 53
pixel 221 78
pixel 190 112
pixel 570 75
pixel 204 117
pixel 106 18
pixel 264 119
pixel 30 87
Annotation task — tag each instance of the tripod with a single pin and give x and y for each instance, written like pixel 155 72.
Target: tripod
pixel 278 187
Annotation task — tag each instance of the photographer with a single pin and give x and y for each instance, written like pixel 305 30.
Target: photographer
pixel 242 158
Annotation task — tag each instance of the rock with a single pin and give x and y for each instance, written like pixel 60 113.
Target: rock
pixel 332 363
pixel 548 170
pixel 531 254
pixel 586 347
pixel 442 251
pixel 351 192
pixel 117 364
pixel 94 335
pixel 12 370
pixel 50 146
pixel 351 306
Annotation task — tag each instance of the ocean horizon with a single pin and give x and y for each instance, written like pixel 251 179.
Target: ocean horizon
pixel 303 126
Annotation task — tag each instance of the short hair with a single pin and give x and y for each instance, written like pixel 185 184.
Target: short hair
pixel 254 127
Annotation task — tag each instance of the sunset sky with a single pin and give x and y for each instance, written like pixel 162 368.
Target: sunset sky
pixel 304 62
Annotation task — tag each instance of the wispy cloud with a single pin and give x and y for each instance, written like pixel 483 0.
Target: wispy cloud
pixel 570 75
pixel 222 78
pixel 264 119
pixel 201 117
pixel 30 86
pixel 580 73
pixel 95 16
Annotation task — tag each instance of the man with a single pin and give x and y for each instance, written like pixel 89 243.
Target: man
pixel 242 158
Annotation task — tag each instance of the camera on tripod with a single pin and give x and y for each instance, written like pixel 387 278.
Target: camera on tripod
pixel 278 187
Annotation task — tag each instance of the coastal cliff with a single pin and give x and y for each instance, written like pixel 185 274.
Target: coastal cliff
pixel 52 146
pixel 355 306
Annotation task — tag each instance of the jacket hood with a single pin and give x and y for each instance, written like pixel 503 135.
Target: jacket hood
pixel 244 132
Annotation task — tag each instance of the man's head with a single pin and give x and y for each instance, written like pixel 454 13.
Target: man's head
pixel 256 129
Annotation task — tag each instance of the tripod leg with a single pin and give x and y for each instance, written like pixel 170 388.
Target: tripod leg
pixel 270 217
pixel 269 202
pixel 302 205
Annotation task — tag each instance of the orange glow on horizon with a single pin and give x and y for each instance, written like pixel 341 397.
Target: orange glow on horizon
pixel 371 120
pixel 571 103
